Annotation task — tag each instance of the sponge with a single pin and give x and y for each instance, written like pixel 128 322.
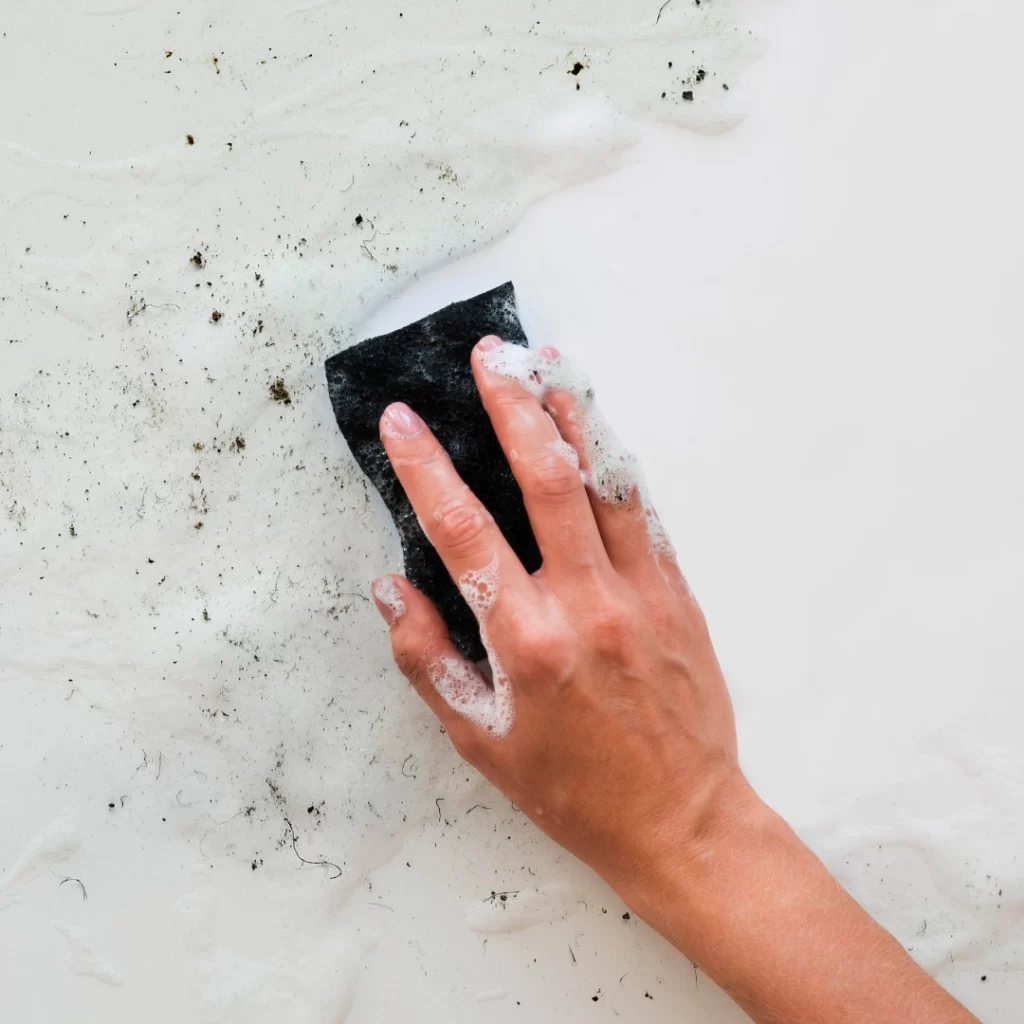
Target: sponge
pixel 426 365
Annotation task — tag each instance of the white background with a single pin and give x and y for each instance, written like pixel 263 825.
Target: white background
pixel 798 300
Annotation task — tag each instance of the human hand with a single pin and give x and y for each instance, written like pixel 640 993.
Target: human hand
pixel 608 721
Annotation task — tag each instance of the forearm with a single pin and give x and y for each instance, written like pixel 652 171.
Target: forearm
pixel 758 912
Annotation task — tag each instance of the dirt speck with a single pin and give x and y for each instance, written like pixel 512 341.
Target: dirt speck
pixel 198 259
pixel 279 393
pixel 198 446
pixel 190 139
pixel 216 315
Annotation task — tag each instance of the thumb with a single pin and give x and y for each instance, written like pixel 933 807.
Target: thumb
pixel 453 687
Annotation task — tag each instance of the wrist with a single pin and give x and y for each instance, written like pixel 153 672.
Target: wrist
pixel 684 851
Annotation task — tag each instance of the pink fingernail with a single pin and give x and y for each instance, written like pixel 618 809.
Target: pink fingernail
pixel 549 352
pixel 492 341
pixel 400 421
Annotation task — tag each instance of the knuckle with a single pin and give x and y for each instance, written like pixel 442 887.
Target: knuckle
pixel 543 653
pixel 612 628
pixel 510 395
pixel 551 476
pixel 460 526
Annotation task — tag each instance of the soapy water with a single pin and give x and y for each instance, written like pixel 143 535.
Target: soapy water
pixel 385 591
pixel 460 683
pixel 612 472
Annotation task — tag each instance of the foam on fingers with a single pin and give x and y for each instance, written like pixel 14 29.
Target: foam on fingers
pixel 458 681
pixel 386 591
pixel 613 472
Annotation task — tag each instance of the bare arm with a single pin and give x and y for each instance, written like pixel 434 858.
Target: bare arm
pixel 608 720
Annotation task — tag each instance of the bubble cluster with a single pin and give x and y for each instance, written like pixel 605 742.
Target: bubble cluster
pixel 460 683
pixel 612 473
pixel 386 591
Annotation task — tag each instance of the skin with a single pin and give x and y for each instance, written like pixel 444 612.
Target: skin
pixel 623 744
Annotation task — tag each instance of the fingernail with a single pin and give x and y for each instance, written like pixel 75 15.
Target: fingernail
pixel 388 599
pixel 400 421
pixel 549 352
pixel 492 341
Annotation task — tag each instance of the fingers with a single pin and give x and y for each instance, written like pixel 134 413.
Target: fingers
pixel 456 523
pixel 545 466
pixel 630 533
pixel 454 689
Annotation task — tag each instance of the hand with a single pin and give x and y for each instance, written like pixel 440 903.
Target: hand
pixel 609 705
pixel 607 719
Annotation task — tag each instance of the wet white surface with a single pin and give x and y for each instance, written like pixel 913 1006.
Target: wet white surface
pixel 796 299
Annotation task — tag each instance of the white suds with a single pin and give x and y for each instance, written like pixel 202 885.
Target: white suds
pixel 385 591
pixel 459 682
pixel 613 471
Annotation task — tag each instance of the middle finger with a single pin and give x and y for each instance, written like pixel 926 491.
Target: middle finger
pixel 544 464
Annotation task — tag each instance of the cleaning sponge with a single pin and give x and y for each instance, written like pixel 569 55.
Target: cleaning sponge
pixel 427 366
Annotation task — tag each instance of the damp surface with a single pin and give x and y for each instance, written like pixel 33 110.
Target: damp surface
pixel 221 803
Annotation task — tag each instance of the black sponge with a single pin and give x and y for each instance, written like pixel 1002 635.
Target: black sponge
pixel 427 366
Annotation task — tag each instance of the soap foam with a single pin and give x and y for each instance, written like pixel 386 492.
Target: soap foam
pixel 461 683
pixel 613 472
pixel 386 591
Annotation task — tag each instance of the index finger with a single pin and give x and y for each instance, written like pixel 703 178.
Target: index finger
pixel 455 521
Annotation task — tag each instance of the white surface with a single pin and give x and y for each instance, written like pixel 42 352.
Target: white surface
pixel 806 325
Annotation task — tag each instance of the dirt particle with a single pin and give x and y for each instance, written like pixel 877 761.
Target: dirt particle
pixel 701 74
pixel 279 393
pixel 359 218
pixel 190 139
pixel 198 525
pixel 198 259
pixel 688 95
pixel 206 615
pixel 198 446
pixel 216 315
pixel 73 531
pixel 239 443
pixel 576 68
